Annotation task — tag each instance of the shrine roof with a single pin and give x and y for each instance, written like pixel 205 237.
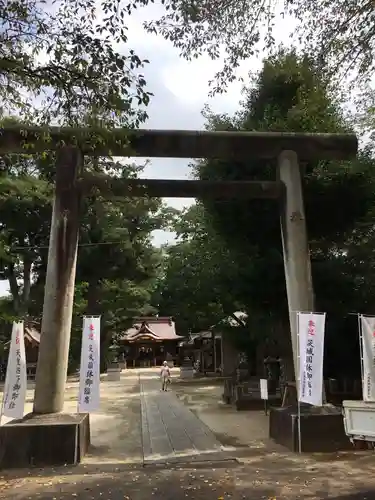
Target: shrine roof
pixel 154 328
pixel 30 334
pixel 204 335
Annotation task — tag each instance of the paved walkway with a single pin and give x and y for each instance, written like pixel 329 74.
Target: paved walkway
pixel 171 432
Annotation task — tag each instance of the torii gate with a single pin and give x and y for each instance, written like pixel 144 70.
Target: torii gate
pixel 72 182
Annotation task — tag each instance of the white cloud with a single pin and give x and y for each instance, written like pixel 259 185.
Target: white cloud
pixel 189 83
pixel 180 91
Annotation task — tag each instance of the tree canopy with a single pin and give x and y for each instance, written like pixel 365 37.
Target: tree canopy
pixel 338 33
pixel 197 286
pixel 58 62
pixel 229 256
pixel 290 94
pixel 66 53
pixel 117 262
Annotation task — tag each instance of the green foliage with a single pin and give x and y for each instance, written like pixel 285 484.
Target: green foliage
pixel 364 116
pixel 117 263
pixel 116 258
pixel 7 316
pixel 25 212
pixel 289 94
pixel 338 33
pixel 197 283
pixel 63 55
pixel 59 65
pixel 229 254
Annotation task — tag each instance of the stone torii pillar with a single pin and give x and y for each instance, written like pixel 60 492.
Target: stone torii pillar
pixel 296 253
pixel 59 287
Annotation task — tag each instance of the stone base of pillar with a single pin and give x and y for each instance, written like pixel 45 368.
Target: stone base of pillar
pixel 255 403
pixel 44 440
pixel 322 429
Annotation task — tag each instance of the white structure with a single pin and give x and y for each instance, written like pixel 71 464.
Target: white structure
pixel 359 420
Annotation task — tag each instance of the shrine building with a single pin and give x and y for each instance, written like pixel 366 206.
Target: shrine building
pixel 150 341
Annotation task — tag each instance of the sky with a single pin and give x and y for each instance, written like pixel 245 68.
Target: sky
pixel 180 91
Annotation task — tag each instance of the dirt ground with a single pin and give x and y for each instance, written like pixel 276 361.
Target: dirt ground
pixel 269 469
pixel 114 468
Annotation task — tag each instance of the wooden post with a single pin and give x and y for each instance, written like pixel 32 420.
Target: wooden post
pixel 59 287
pixel 295 246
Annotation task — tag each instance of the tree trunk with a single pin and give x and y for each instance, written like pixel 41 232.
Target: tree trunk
pixel 27 263
pixel 14 288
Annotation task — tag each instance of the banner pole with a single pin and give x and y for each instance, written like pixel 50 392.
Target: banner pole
pixel 298 388
pixel 80 365
pixel 360 334
pixel 5 391
pixel 324 395
pixel 299 426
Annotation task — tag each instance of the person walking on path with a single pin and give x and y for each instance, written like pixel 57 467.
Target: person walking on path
pixel 165 375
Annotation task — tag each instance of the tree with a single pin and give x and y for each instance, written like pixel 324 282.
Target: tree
pixel 117 259
pixel 63 55
pixel 25 212
pixel 204 283
pixel 290 94
pixel 201 282
pixel 117 263
pixel 340 33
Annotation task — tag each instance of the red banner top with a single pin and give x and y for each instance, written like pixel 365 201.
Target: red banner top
pixel 91 334
pixel 311 328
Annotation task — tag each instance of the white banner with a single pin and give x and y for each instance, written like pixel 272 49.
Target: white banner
pixel 368 354
pixel 311 353
pixel 15 387
pixel 263 388
pixel 89 380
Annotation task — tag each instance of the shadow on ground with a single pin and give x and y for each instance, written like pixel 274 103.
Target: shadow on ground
pixel 263 480
pixel 134 485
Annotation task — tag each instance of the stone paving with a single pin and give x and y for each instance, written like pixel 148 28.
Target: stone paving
pixel 171 432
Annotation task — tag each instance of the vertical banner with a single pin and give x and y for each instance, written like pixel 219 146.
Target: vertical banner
pixel 15 387
pixel 367 338
pixel 311 328
pixel 263 388
pixel 89 379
